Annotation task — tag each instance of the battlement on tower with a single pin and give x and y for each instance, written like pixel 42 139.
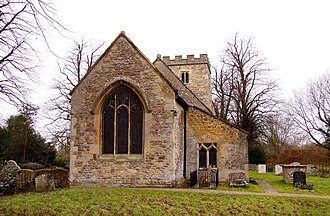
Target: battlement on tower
pixel 203 59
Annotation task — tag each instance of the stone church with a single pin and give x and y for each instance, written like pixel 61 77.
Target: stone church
pixel 140 123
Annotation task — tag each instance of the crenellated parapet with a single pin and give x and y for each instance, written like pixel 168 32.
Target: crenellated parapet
pixel 178 60
pixel 195 73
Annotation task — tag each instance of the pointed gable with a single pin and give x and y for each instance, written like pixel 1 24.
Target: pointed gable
pixel 123 51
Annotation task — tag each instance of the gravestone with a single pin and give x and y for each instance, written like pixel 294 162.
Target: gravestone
pixel 24 180
pixel 253 167
pixel 270 168
pixel 44 182
pixel 60 178
pixel 312 170
pixel 10 168
pixel 278 170
pixel 262 168
pixel 299 178
pixel 237 179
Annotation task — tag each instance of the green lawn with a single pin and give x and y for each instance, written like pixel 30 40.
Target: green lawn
pixel 249 188
pixel 321 185
pixel 110 201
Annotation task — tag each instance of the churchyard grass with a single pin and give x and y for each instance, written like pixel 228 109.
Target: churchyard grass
pixel 321 185
pixel 249 188
pixel 111 201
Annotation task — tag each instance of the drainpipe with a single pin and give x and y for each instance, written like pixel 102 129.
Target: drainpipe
pixel 184 143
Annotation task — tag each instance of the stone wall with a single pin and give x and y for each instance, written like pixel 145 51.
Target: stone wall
pixel 232 154
pixel 162 160
pixel 121 64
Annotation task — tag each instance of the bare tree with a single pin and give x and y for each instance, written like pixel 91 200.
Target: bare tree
pixel 311 109
pixel 20 23
pixel 223 87
pixel 243 90
pixel 279 132
pixel 81 57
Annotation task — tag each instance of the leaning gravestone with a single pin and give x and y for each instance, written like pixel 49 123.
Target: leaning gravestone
pixel 262 168
pixel 7 177
pixel 278 170
pixel 10 168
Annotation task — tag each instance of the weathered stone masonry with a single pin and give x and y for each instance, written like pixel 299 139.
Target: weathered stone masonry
pixel 168 153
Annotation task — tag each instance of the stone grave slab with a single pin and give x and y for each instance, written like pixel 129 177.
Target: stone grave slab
pixel 237 179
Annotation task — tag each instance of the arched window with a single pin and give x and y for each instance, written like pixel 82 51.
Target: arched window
pixel 122 123
pixel 207 155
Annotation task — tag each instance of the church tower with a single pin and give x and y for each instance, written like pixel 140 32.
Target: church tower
pixel 195 73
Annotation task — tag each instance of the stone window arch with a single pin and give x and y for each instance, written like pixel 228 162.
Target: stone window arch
pixel 122 122
pixel 207 155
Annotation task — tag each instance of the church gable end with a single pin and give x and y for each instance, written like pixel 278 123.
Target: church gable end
pixel 132 122
pixel 122 123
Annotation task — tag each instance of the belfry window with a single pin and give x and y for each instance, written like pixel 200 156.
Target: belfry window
pixel 185 77
pixel 122 123
pixel 207 155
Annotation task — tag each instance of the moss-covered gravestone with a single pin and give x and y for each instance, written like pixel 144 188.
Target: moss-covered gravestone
pixel 7 177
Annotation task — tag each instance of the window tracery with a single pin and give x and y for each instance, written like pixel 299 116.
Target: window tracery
pixel 122 121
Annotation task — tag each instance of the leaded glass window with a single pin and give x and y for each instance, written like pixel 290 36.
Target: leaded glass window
pixel 207 155
pixel 213 157
pixel 122 123
pixel 202 158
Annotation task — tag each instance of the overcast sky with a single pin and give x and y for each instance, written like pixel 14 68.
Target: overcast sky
pixel 293 35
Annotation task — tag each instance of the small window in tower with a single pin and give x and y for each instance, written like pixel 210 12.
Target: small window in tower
pixel 185 77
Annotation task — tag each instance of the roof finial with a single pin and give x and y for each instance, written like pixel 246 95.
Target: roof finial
pixel 123 32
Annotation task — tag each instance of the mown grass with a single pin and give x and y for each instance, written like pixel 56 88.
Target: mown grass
pixel 110 201
pixel 321 185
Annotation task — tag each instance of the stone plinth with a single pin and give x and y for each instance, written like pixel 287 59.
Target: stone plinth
pixel 289 169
